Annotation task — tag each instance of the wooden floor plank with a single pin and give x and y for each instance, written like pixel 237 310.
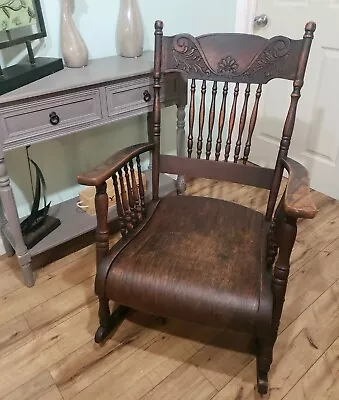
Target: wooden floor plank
pixel 322 380
pixel 40 387
pixel 310 282
pixel 54 311
pixel 14 334
pixel 8 263
pixel 23 299
pixel 185 383
pixel 84 366
pixel 150 364
pixel 317 238
pixel 296 350
pixel 10 280
pixel 218 364
pixel 45 350
pixel 326 207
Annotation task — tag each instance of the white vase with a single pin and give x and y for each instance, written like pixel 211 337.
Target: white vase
pixel 73 48
pixel 130 32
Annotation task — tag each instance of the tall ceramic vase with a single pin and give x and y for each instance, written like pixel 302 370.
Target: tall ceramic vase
pixel 130 32
pixel 73 48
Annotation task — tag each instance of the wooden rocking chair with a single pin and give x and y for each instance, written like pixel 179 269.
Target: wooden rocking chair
pixel 199 259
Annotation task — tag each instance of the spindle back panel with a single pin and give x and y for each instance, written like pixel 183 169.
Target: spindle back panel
pixel 221 120
pixel 227 74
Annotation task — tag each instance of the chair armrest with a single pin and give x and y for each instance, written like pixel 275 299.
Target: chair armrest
pixel 105 170
pixel 297 202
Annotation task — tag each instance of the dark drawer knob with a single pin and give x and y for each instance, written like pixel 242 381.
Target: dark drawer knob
pixel 54 118
pixel 147 96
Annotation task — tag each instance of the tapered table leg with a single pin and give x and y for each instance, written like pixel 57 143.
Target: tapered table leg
pixel 15 240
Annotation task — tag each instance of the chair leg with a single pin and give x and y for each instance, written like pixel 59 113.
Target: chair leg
pixel 264 361
pixel 109 321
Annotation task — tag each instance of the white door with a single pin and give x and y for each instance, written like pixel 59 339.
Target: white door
pixel 315 141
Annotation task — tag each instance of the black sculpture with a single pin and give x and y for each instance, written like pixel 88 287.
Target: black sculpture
pixel 38 224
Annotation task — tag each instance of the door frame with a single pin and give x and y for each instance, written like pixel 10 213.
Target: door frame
pixel 244 15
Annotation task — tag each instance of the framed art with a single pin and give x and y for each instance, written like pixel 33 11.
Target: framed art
pixel 21 21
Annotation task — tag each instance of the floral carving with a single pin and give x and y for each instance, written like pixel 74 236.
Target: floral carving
pixel 227 65
pixel 277 48
pixel 187 56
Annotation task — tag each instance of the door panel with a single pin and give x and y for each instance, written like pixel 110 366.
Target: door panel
pixel 315 140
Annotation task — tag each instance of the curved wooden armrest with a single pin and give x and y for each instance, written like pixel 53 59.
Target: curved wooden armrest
pixel 104 171
pixel 298 202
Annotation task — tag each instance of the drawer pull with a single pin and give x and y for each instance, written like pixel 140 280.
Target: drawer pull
pixel 147 96
pixel 54 118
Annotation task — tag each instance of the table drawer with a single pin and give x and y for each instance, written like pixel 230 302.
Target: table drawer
pixel 138 95
pixel 48 115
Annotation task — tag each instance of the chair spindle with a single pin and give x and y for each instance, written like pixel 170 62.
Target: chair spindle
pixel 201 118
pixel 141 189
pixel 127 211
pixel 130 196
pixel 253 121
pixel 120 209
pixel 242 123
pixel 232 121
pixel 191 119
pixel 137 206
pixel 211 121
pixel 221 121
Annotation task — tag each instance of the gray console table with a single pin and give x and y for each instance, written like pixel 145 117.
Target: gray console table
pixel 69 101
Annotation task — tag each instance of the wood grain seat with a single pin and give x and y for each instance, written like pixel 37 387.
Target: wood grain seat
pixel 163 271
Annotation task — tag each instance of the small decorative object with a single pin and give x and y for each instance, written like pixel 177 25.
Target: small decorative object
pixel 38 224
pixel 130 33
pixel 21 21
pixel 87 196
pixel 73 48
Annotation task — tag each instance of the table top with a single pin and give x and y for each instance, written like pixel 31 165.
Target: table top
pixel 96 72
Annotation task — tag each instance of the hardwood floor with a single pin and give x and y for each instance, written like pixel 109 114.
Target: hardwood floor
pixel 46 332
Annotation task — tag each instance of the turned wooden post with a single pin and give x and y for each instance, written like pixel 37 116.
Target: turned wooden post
pixel 221 124
pixel 157 108
pixel 101 207
pixel 191 120
pixel 211 121
pixel 286 233
pixel 252 124
pixel 201 118
pixel 231 121
pixel 242 123
pixel 290 119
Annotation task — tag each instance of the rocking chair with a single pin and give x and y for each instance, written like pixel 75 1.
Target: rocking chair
pixel 200 259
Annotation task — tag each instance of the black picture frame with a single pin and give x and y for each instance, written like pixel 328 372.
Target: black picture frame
pixel 33 36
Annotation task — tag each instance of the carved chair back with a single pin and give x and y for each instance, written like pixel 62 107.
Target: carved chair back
pixel 243 61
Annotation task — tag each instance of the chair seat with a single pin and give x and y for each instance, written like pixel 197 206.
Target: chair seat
pixel 197 259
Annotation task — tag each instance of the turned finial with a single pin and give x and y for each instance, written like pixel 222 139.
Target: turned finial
pixel 310 27
pixel 158 26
